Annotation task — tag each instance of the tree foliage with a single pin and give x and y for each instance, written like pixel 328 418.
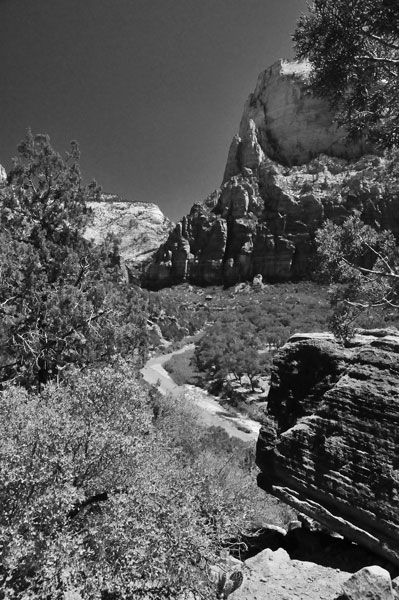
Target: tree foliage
pixel 245 328
pixel 353 47
pixel 231 348
pixel 363 265
pixel 62 300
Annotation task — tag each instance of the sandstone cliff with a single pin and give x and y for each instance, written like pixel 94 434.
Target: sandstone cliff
pixel 287 171
pixel 140 227
pixel 329 445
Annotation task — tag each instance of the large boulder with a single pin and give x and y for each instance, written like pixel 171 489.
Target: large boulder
pixel 370 583
pixel 288 170
pixel 329 445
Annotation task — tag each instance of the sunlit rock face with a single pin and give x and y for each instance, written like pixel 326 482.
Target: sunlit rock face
pixel 3 174
pixel 329 445
pixel 286 123
pixel 140 227
pixel 288 170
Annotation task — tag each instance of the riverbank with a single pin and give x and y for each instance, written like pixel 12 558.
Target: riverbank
pixel 210 411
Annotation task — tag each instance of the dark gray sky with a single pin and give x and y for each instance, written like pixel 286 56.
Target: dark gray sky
pixel 153 90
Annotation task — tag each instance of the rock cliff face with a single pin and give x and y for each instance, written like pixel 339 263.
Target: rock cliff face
pixel 284 122
pixel 141 227
pixel 329 445
pixel 287 171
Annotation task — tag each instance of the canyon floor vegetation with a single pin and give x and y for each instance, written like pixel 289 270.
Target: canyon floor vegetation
pixel 240 329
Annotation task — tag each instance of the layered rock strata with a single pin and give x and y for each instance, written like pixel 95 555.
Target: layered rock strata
pixel 329 445
pixel 287 170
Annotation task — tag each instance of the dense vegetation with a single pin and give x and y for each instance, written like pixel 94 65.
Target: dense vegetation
pixel 62 301
pixel 107 493
pixel 240 342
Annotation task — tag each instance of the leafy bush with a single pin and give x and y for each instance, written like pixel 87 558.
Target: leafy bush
pixel 93 500
pixel 107 492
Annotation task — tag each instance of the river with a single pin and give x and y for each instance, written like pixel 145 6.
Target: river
pixel 209 409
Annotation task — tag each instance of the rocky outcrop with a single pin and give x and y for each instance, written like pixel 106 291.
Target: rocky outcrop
pixel 140 227
pixel 287 170
pixel 273 574
pixel 3 174
pixel 286 123
pixel 329 445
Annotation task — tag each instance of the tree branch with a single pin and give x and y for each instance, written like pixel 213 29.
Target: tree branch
pixel 380 273
pixel 378 59
pixel 101 497
pixel 381 40
pixel 380 256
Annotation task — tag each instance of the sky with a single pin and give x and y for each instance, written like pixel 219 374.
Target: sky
pixel 153 90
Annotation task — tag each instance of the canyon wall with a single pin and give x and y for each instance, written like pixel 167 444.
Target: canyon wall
pixel 329 444
pixel 140 227
pixel 287 170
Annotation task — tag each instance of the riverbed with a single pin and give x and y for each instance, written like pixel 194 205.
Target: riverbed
pixel 210 411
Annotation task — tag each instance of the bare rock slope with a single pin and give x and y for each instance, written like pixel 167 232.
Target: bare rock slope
pixel 287 171
pixel 329 445
pixel 141 227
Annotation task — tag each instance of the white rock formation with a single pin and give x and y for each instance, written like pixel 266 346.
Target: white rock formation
pixel 141 227
pixel 3 174
pixel 283 121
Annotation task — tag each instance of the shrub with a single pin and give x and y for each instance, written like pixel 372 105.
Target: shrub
pixel 108 491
